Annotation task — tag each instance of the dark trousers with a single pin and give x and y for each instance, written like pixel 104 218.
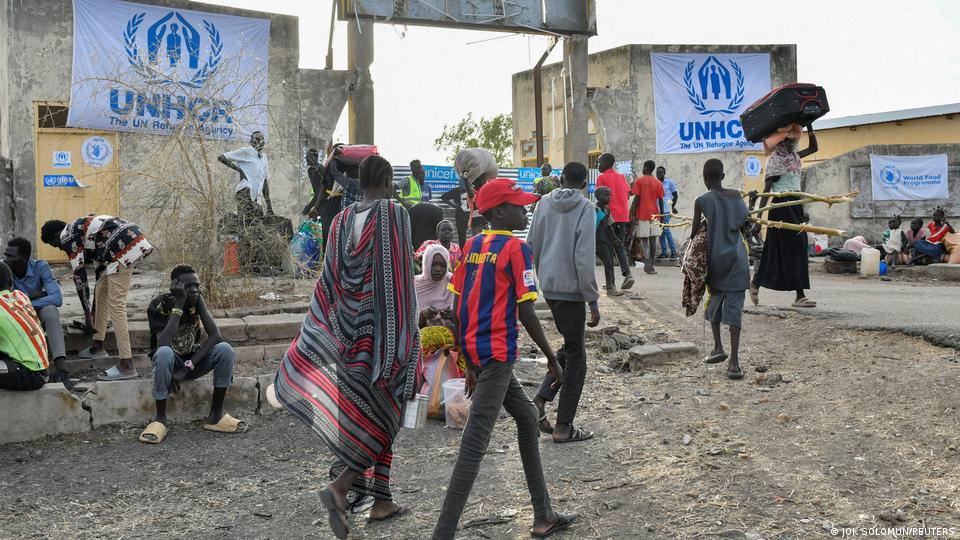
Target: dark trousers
pixel 14 376
pixel 496 387
pixel 620 229
pixel 571 319
pixel 605 252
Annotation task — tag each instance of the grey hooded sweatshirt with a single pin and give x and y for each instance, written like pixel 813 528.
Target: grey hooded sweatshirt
pixel 563 239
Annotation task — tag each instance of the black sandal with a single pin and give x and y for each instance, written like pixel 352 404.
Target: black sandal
pixel 715 358
pixel 738 374
pixel 564 520
pixel 544 425
pixel 576 435
pixel 338 516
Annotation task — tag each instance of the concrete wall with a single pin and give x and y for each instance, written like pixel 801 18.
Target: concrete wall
pixel 35 65
pixel 930 130
pixel 622 107
pixel 846 172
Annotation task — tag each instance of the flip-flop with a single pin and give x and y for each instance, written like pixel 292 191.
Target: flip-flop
pixel 272 397
pixel 114 374
pixel 338 516
pixel 227 424
pixel 564 520
pixel 402 511
pixel 544 425
pixel 154 433
pixel 715 358
pixel 755 295
pixel 738 374
pixel 804 303
pixel 576 435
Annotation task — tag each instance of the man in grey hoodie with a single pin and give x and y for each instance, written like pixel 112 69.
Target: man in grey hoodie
pixel 563 240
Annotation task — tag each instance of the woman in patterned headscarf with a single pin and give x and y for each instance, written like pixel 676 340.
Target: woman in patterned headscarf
pixel 783 266
pixel 355 361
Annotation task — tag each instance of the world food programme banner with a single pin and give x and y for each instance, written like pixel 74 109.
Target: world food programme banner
pixel 152 69
pixel 909 178
pixel 699 99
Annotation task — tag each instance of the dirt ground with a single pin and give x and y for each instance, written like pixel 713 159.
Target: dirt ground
pixel 863 426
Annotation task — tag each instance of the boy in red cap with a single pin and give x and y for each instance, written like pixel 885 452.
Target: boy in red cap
pixel 495 288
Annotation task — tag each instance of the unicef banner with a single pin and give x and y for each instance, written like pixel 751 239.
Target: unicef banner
pixel 909 178
pixel 699 99
pixel 153 69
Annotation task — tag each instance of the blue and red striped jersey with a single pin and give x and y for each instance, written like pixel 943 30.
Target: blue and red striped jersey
pixel 495 274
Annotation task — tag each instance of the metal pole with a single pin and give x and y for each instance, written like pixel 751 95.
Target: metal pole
pixel 538 99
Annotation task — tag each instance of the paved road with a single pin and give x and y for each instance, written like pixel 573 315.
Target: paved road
pixel 929 309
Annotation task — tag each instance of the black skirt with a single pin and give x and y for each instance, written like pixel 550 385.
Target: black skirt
pixel 783 266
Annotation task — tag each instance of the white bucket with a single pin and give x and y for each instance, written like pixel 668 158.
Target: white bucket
pixel 870 262
pixel 456 405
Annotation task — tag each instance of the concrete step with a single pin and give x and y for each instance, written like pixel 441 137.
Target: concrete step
pixel 52 410
pixel 254 329
pixel 650 355
pixel 246 354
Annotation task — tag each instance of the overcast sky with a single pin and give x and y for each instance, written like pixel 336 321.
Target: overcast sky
pixel 870 55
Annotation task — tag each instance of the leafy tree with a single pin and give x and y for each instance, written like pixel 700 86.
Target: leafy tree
pixel 494 134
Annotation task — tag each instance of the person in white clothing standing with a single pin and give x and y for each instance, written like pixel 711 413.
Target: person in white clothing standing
pixel 251 163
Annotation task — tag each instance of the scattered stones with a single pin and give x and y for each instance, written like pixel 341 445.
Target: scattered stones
pixel 686 439
pixel 732 534
pixel 804 520
pixel 715 432
pixel 782 417
pixel 624 341
pixel 701 392
pixel 724 406
pixel 715 451
pixel 826 525
pixel 753 535
pixel 886 516
pixel 762 368
pixel 900 515
pixel 605 369
pixel 609 345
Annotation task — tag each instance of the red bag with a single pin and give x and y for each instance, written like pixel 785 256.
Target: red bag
pixel 353 154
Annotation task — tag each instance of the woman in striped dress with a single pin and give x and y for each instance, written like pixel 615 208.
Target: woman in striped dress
pixel 355 361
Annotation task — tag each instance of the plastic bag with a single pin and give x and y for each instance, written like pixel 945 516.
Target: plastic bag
pixel 306 246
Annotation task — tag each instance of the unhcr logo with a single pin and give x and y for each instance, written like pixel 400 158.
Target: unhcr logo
pixel 173 50
pixel 714 92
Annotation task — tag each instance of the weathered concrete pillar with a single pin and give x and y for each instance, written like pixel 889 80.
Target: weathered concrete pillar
pixel 359 58
pixel 575 61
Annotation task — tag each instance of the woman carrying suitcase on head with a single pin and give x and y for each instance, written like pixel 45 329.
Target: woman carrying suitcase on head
pixel 783 265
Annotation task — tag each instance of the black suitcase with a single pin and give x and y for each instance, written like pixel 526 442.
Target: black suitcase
pixel 799 103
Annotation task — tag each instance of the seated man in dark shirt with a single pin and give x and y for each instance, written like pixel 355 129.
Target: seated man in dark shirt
pixel 179 354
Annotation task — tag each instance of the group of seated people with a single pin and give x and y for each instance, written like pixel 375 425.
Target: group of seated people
pixel 915 245
pixel 31 333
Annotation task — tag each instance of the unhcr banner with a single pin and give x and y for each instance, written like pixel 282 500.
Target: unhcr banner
pixel 153 69
pixel 699 99
pixel 909 178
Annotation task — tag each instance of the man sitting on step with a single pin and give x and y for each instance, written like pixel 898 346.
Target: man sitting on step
pixel 179 354
pixel 23 348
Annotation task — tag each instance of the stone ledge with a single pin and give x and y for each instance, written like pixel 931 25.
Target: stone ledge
pixel 944 271
pixel 52 410
pixel 645 356
pixel 47 411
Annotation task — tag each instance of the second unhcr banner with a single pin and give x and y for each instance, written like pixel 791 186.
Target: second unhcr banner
pixel 699 98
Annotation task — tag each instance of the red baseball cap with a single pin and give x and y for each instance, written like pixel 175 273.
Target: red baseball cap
pixel 503 190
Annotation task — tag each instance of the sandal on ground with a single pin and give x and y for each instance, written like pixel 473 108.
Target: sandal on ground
pixel 154 433
pixel 227 424
pixel 804 303
pixel 401 511
pixel 738 374
pixel 564 520
pixel 715 358
pixel 545 427
pixel 338 516
pixel 576 435
pixel 755 295
pixel 272 397
pixel 88 354
pixel 114 374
